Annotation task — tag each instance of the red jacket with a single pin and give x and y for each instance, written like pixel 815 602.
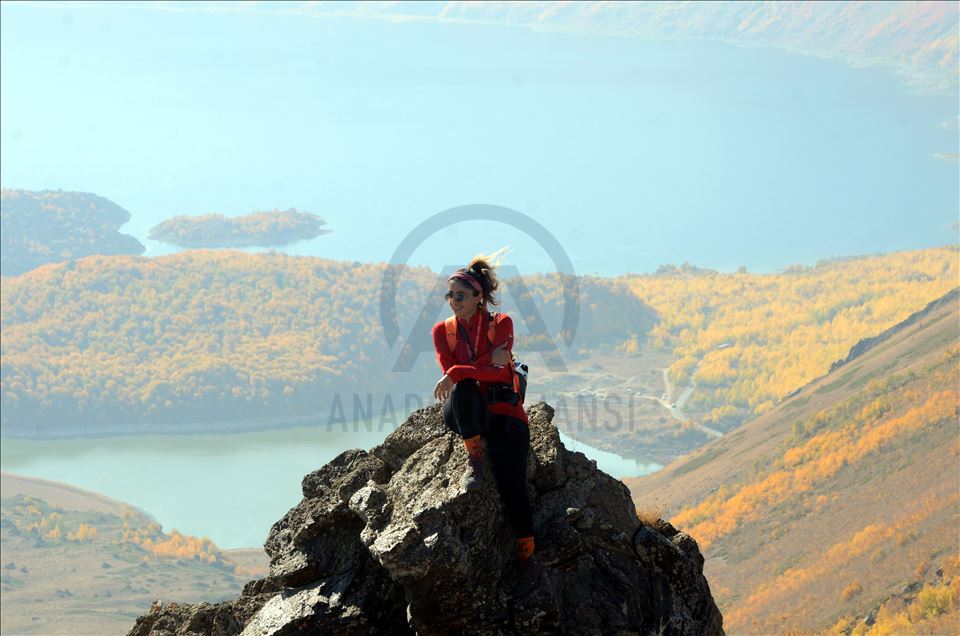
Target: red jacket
pixel 457 365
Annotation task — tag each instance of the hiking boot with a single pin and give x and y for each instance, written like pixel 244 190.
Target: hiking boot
pixel 529 572
pixel 472 477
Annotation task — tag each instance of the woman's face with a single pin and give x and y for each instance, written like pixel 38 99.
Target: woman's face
pixel 462 298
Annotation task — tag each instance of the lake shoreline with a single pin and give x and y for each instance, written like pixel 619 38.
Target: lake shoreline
pixel 69 496
pixel 229 487
pixel 255 425
pixel 282 424
pixel 351 424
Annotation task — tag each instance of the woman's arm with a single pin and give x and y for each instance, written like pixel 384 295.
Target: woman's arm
pixel 481 369
pixel 503 340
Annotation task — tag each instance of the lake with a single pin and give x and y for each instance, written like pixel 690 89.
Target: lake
pixel 228 487
pixel 632 152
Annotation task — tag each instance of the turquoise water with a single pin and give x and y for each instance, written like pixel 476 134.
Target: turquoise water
pixel 229 487
pixel 633 152
pixel 611 463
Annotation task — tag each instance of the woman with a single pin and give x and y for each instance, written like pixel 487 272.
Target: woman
pixel 478 404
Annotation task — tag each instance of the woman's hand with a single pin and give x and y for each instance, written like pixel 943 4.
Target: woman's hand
pixel 500 356
pixel 444 388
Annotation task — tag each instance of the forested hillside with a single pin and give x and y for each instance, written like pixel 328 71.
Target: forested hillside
pixel 223 335
pixel 101 342
pixel 274 227
pixel 53 226
pixel 843 498
pixel 746 341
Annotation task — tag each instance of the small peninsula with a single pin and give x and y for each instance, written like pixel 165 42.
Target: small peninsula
pixel 261 229
pixel 51 226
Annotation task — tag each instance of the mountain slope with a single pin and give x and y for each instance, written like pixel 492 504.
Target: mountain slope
pixel 839 497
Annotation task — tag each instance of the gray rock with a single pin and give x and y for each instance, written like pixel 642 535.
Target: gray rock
pixel 388 541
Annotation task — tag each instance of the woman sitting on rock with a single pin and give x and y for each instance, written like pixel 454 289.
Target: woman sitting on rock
pixel 473 348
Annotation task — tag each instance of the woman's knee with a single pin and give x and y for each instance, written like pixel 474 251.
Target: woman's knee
pixel 465 411
pixel 466 399
pixel 465 392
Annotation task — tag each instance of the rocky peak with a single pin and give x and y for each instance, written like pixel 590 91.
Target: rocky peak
pixel 388 541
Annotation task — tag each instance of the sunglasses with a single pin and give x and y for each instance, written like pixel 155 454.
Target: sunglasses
pixel 459 296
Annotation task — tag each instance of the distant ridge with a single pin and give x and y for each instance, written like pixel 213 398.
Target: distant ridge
pixel 67 496
pixel 868 343
pixel 916 38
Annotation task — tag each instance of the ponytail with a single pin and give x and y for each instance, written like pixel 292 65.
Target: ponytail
pixel 484 273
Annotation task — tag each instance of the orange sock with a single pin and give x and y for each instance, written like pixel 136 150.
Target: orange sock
pixel 524 548
pixel 474 446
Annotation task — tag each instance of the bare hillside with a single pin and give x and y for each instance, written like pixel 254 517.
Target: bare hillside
pixel 78 562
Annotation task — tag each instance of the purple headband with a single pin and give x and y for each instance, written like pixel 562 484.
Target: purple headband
pixel 469 279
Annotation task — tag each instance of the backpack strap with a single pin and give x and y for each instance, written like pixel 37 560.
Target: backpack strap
pixel 450 324
pixel 515 376
pixel 451 328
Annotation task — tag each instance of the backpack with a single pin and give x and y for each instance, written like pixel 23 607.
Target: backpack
pixel 513 393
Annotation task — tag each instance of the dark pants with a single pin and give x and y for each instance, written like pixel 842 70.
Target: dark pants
pixel 508 441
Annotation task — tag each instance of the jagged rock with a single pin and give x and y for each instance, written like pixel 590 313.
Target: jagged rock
pixel 203 618
pixel 388 541
pixel 320 537
pixel 911 587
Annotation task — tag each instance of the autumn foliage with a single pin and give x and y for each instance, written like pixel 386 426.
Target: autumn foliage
pixel 274 227
pixel 892 407
pixel 933 609
pixel 34 516
pixel 223 335
pixel 175 545
pixel 747 340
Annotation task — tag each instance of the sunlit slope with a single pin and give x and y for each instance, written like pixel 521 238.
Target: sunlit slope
pixel 748 340
pixel 830 503
pixel 108 341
